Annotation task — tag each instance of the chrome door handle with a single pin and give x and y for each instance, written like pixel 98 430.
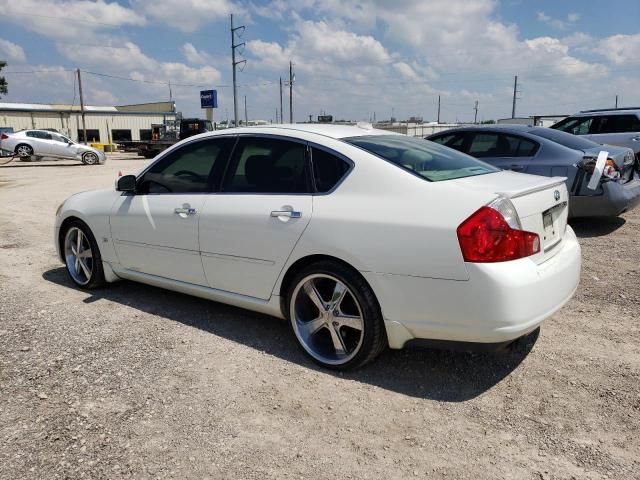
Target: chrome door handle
pixel 286 213
pixel 185 211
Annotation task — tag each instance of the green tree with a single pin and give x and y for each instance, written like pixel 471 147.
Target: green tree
pixel 3 81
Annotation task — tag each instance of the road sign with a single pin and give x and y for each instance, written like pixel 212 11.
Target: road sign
pixel 209 99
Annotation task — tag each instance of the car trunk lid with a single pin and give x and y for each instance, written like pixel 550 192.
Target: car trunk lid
pixel 541 203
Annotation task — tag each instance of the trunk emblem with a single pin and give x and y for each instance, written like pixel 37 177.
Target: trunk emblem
pixel 556 195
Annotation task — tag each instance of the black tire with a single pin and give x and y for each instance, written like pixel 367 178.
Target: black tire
pixel 90 158
pixel 96 278
pixel 24 152
pixel 374 339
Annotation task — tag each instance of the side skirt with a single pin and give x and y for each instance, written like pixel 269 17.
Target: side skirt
pixel 268 307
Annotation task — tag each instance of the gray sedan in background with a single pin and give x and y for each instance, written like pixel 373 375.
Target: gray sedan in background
pixel 36 144
pixel 553 153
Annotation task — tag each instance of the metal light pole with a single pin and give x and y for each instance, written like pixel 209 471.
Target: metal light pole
pixel 234 64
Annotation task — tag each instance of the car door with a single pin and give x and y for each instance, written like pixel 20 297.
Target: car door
pixel 622 130
pixel 249 228
pixel 155 231
pixel 60 147
pixel 40 143
pixel 505 151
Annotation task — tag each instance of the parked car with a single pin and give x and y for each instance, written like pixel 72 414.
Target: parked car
pixel 35 144
pixel 553 153
pixel 618 126
pixel 359 237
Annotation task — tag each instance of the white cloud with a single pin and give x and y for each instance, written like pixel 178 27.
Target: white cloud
pixel 556 22
pixel 621 49
pixel 11 52
pixel 70 19
pixel 187 15
pixel 195 56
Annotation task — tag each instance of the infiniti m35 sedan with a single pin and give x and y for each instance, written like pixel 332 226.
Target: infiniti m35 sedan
pixel 360 238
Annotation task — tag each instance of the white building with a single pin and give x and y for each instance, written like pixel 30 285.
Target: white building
pixel 118 123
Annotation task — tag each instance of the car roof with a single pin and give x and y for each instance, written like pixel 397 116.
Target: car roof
pixel 327 130
pixel 612 111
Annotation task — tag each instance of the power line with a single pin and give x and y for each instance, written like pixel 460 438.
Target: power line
pixel 10 13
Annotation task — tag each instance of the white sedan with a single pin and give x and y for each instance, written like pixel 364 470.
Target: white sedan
pixel 34 144
pixel 361 238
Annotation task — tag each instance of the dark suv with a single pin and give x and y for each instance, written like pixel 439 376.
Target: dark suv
pixel 619 126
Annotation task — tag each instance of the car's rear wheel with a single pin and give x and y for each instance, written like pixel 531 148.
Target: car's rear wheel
pixel 82 256
pixel 24 151
pixel 335 316
pixel 89 158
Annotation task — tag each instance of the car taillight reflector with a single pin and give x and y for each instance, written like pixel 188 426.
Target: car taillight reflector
pixel 4 136
pixel 486 237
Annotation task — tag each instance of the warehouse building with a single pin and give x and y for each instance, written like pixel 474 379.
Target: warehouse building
pixel 103 124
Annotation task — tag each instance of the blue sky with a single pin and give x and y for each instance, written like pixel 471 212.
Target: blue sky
pixel 352 59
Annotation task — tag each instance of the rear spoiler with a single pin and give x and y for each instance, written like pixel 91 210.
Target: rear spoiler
pixel 548 182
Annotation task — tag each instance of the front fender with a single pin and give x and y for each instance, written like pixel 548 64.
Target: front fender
pixel 94 209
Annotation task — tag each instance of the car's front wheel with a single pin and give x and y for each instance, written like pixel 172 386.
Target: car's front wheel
pixel 89 158
pixel 82 256
pixel 335 316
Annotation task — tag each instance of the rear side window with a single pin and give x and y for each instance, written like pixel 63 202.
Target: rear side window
pixel 328 169
pixel 426 159
pixel 268 165
pixel 575 125
pixel 193 168
pixel 617 124
pixel 39 134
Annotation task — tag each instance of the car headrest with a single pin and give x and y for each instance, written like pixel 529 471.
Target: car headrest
pixel 258 169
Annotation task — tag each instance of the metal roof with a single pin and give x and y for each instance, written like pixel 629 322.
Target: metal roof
pixel 62 108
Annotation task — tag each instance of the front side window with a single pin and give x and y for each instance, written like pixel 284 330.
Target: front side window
pixel 193 168
pixel 268 165
pixel 452 140
pixel 487 145
pixel 426 159
pixel 328 169
pixel 575 125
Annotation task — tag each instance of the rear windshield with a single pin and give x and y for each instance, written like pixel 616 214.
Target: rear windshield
pixel 563 138
pixel 426 159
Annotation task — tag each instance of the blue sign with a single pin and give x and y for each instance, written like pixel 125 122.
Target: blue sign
pixel 209 99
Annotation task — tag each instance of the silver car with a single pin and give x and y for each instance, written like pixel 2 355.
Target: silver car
pixel 35 144
pixel 619 126
pixel 552 153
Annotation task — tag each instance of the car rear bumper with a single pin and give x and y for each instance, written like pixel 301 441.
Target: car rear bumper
pixel 616 199
pixel 500 302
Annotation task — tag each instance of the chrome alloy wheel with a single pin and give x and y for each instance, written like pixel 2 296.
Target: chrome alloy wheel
pixel 327 319
pixel 24 151
pixel 90 158
pixel 78 255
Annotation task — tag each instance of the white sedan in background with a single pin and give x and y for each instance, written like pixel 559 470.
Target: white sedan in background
pixel 362 239
pixel 34 144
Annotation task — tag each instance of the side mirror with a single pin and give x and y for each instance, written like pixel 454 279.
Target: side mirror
pixel 69 142
pixel 126 184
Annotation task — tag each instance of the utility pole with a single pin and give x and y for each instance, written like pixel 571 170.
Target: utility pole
pixel 170 93
pixel 515 91
pixel 475 117
pixel 234 64
pixel 616 101
pixel 291 78
pixel 246 117
pixel 277 115
pixel 438 108
pixel 84 125
pixel 281 114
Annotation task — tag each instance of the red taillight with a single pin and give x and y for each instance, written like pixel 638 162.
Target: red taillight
pixel 4 136
pixel 486 237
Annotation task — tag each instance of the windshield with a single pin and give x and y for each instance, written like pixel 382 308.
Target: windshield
pixel 427 159
pixel 563 138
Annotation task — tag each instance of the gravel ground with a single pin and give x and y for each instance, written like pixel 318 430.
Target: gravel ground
pixel 133 381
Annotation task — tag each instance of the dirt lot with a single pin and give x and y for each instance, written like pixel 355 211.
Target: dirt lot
pixel 134 381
